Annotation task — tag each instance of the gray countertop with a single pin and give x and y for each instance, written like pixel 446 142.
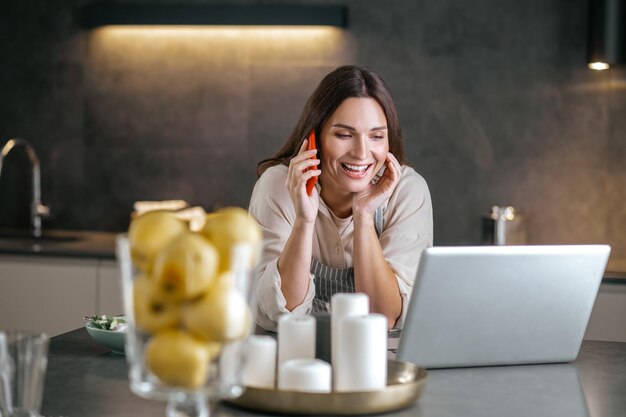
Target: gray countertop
pixel 61 243
pixel 85 379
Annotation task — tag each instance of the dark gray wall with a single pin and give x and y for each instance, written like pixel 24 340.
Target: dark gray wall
pixel 495 100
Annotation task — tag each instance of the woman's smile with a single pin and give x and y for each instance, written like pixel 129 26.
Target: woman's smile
pixel 356 171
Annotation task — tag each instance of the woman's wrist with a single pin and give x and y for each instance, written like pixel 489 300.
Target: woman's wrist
pixel 362 219
pixel 304 225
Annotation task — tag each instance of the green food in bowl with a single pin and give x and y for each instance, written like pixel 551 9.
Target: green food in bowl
pixel 112 339
pixel 105 322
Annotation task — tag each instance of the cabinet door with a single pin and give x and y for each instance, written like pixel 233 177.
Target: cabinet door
pixel 608 318
pixel 109 289
pixel 46 294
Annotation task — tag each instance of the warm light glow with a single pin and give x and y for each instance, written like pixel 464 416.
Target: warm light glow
pixel 299 32
pixel 185 47
pixel 598 65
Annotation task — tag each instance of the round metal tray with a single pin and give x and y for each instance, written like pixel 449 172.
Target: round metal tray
pixel 405 383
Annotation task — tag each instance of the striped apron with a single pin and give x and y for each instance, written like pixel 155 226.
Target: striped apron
pixel 329 280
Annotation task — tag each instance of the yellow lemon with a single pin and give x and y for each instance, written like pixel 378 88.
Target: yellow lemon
pixel 152 312
pixel 178 359
pixel 229 227
pixel 222 315
pixel 186 267
pixel 149 233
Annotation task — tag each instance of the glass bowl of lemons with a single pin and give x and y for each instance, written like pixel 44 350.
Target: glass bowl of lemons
pixel 189 306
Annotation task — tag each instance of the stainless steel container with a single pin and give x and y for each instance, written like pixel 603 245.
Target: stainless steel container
pixel 503 226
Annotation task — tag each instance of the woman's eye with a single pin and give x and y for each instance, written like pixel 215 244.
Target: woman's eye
pixel 342 135
pixel 378 137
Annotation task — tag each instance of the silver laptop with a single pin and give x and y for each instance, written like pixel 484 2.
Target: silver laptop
pixel 501 305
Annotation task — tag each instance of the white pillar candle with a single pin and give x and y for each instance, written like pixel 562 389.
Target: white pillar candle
pixel 344 305
pixel 361 354
pixel 308 375
pixel 296 338
pixel 260 367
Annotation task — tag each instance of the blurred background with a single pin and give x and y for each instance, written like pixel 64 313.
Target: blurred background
pixel 496 102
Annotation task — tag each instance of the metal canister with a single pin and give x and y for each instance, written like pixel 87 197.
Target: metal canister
pixel 503 226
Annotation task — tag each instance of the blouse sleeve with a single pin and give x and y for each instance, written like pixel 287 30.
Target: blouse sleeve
pixel 272 208
pixel 407 232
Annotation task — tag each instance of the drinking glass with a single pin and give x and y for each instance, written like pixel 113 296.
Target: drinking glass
pixel 23 361
pixel 224 374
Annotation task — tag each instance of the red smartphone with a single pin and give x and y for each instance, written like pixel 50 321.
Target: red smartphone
pixel 311 181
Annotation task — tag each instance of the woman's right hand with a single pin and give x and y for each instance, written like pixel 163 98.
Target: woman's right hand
pixel 306 206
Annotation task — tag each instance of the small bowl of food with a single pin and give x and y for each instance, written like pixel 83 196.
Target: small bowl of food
pixel 109 331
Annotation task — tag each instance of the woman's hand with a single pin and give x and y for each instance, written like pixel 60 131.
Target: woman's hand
pixel 367 201
pixel 306 206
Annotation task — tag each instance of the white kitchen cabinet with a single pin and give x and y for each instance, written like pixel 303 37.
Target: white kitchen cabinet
pixel 608 318
pixel 53 294
pixel 109 287
pixel 46 294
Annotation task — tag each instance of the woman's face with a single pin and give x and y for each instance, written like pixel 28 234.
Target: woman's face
pixel 354 145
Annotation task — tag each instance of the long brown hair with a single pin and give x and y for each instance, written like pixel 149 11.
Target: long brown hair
pixel 342 83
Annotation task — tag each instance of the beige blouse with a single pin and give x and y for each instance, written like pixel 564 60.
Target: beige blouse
pixel 407 230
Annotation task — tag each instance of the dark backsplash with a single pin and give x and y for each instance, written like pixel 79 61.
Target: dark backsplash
pixel 495 99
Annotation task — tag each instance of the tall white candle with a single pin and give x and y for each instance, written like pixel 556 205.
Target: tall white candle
pixel 361 354
pixel 344 305
pixel 309 375
pixel 260 367
pixel 296 338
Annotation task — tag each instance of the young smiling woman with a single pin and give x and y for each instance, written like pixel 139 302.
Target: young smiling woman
pixel 367 220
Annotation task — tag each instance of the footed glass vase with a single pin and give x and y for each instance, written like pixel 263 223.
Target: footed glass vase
pixel 186 351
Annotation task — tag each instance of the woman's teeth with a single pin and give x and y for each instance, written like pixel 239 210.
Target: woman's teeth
pixel 355 169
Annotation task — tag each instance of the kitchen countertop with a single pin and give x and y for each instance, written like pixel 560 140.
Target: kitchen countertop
pixel 85 379
pixel 615 270
pixel 61 243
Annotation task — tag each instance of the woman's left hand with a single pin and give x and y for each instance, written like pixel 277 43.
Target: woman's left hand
pixel 364 203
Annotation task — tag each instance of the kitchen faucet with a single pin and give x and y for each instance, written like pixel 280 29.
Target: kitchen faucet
pixel 37 208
